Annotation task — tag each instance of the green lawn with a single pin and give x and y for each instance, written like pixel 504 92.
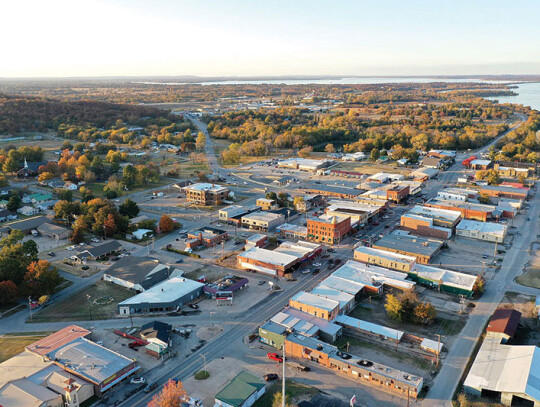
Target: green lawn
pixel 294 390
pixel 80 307
pixel 13 345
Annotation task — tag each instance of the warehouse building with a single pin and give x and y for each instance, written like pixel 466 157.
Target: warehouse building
pixel 488 231
pixel 422 248
pixel 504 191
pixel 359 328
pixel 334 191
pixel 424 174
pixel 383 258
pixel 448 281
pixel 507 374
pixel 265 221
pixel 430 222
pixel 503 324
pixel 457 194
pixel 266 261
pixel 167 296
pixel 363 371
pixel 468 210
pixel 54 231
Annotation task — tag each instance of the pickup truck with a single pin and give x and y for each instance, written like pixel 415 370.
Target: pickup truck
pixel 298 366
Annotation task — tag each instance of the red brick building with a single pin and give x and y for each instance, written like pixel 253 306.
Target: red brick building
pixel 206 236
pixel 397 193
pixel 328 229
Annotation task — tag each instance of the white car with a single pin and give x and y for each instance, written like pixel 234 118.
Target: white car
pixel 95 240
pixel 74 258
pixel 72 247
pixel 306 271
pixel 317 264
pixel 137 380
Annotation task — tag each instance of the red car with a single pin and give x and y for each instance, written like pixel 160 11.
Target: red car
pixel 274 356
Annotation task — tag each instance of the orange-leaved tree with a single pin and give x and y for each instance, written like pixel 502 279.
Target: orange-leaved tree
pixel 170 396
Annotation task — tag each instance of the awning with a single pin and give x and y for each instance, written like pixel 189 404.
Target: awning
pixel 119 379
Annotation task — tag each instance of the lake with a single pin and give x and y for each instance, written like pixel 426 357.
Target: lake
pixel 528 95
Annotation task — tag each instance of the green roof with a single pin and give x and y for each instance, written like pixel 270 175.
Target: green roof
pixel 239 389
pixel 41 197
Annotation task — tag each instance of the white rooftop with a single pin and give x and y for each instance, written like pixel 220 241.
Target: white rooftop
pixel 482 227
pixel 332 294
pixel 315 301
pixel 289 227
pixel 341 284
pixel 385 254
pixel 369 327
pixel 447 277
pixel 298 249
pixel 429 212
pixel 166 291
pixel 480 162
pixel 371 275
pixel 262 216
pixel 204 186
pixel 268 256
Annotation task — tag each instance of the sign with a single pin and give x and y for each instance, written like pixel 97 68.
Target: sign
pixel 353 400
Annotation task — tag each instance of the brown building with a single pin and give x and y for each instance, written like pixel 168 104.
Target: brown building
pixel 504 191
pixel 503 324
pixel 422 248
pixel 328 229
pixel 468 210
pixel 267 204
pixel 206 236
pixel 363 371
pixel 206 194
pixel 397 193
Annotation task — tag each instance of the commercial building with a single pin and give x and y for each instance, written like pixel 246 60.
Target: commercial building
pixel 233 214
pixel 27 225
pixel 384 258
pixel 167 296
pixel 315 305
pixel 301 250
pixel 334 191
pixel 397 193
pixel 432 162
pixel 488 231
pixel 256 240
pixel 267 204
pixel 503 324
pixel 457 194
pixel 430 222
pixel 206 236
pixel 468 210
pixel 228 284
pixel 99 252
pixel 448 281
pixel 373 278
pixel 444 154
pixel 507 374
pixel 290 230
pixel 23 392
pixel 480 164
pixel 264 221
pixel 328 229
pixel 359 328
pixel 346 301
pixel 422 248
pixel 242 391
pixel 206 194
pixel 515 170
pixel 505 191
pixel 309 201
pixel 357 211
pixel 138 273
pixel 424 174
pixel 54 231
pixel 304 164
pixel 363 371
pixel 266 261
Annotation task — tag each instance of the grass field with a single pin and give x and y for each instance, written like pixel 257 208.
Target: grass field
pixel 80 306
pixel 295 393
pixel 13 345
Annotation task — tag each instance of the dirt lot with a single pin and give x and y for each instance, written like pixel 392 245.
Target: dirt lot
pixel 97 301
pixel 527 332
pixel 531 276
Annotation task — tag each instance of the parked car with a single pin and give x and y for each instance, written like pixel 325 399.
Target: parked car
pixel 306 271
pixel 150 386
pixel 72 247
pixel 274 356
pixel 193 306
pixel 95 240
pixel 52 254
pixel 316 264
pixel 262 282
pixel 316 271
pixel 270 376
pixel 137 380
pixel 330 250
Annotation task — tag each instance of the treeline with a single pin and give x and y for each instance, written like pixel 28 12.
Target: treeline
pixel 28 113
pixel 522 144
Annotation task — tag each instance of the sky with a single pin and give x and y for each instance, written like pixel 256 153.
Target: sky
pixel 59 38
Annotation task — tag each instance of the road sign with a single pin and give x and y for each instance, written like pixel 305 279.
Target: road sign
pixel 353 400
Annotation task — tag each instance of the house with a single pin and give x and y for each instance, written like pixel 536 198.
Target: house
pixel 28 210
pixel 328 229
pixel 206 194
pixel 139 273
pixel 6 215
pixel 54 231
pixel 432 162
pixel 242 391
pixel 480 164
pixel 140 234
pixel 206 236
pixel 167 296
pixel 40 199
pixel 267 204
pixel 488 231
pixel 70 186
pixel 99 252
pixel 424 174
pixel 422 248
pixel 503 324
pixel 27 225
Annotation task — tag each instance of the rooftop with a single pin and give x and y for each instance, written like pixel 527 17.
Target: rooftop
pixel 482 227
pixel 504 320
pixel 206 187
pixel 435 213
pixel 335 190
pixel 343 285
pixel 292 314
pixel 401 258
pixel 373 276
pixel 369 327
pixel 240 389
pixel 28 224
pixel 299 249
pixel 410 244
pixel 57 339
pixel 330 219
pixel 460 204
pixel 289 227
pixel 446 277
pixel 164 292
pixel 262 216
pixel 24 364
pixel 137 270
pixel 268 256
pixel 315 301
pixel 23 392
pixel 329 293
pixel 102 249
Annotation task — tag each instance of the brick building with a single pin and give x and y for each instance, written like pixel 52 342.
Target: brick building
pixel 206 194
pixel 206 236
pixel 397 193
pixel 328 229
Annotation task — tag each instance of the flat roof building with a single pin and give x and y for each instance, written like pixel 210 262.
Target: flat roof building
pixel 505 191
pixel 383 258
pixel 488 231
pixel 315 305
pixel 266 261
pixel 334 191
pixel 452 282
pixel 206 194
pixel 430 222
pixel 422 248
pixel 265 221
pixel 328 229
pixel 292 231
pixel 138 273
pixel 468 210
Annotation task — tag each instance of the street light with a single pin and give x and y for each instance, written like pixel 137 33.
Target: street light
pixel 204 357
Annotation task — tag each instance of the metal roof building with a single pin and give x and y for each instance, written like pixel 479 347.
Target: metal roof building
pixel 420 247
pixel 489 231
pixel 242 391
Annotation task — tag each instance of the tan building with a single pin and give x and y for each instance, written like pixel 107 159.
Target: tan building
pixel 384 258
pixel 315 305
pixel 267 204
pixel 262 221
pixel 206 194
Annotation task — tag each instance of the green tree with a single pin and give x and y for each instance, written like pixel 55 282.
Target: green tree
pixel 129 208
pixel 375 154
pixel 14 203
pixel 147 224
pixel 129 176
pixel 271 195
pixel 493 177
pixel 78 235
pixel 425 313
pixel 64 194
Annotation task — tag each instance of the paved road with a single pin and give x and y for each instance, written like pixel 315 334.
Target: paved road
pixel 209 146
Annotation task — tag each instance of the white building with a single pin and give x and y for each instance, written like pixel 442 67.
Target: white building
pixel 488 231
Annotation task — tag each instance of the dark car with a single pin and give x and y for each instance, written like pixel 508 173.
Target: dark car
pixel 330 250
pixel 194 306
pixel 270 376
pixel 52 254
pixel 115 258
pixel 316 271
pixel 338 261
pixel 150 386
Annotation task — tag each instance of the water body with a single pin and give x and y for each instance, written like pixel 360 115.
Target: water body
pixel 528 95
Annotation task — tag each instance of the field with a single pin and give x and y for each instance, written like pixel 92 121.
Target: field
pixel 81 305
pixel 531 276
pixel 295 392
pixel 13 345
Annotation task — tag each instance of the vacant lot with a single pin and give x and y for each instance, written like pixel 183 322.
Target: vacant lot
pixel 295 393
pixel 95 302
pixel 13 345
pixel 531 276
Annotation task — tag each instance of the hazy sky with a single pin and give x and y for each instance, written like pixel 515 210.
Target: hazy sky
pixel 267 37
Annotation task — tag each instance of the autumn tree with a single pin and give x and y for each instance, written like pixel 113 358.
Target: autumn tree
pixel 329 148
pixel 424 313
pixel 201 141
pixel 41 278
pixel 171 395
pixel 484 198
pixel 109 225
pixel 406 307
pixel 45 176
pixel 166 224
pixel 78 235
pixel 8 292
pixel 305 152
pixel 375 154
pixel 298 201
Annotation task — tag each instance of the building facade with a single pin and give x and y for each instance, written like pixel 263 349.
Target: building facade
pixel 328 229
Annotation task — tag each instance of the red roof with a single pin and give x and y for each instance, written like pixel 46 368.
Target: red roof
pixel 57 339
pixel 504 320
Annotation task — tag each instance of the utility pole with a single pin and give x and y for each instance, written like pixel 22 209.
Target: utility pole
pixel 438 348
pixel 283 384
pixel 495 251
pixel 30 306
